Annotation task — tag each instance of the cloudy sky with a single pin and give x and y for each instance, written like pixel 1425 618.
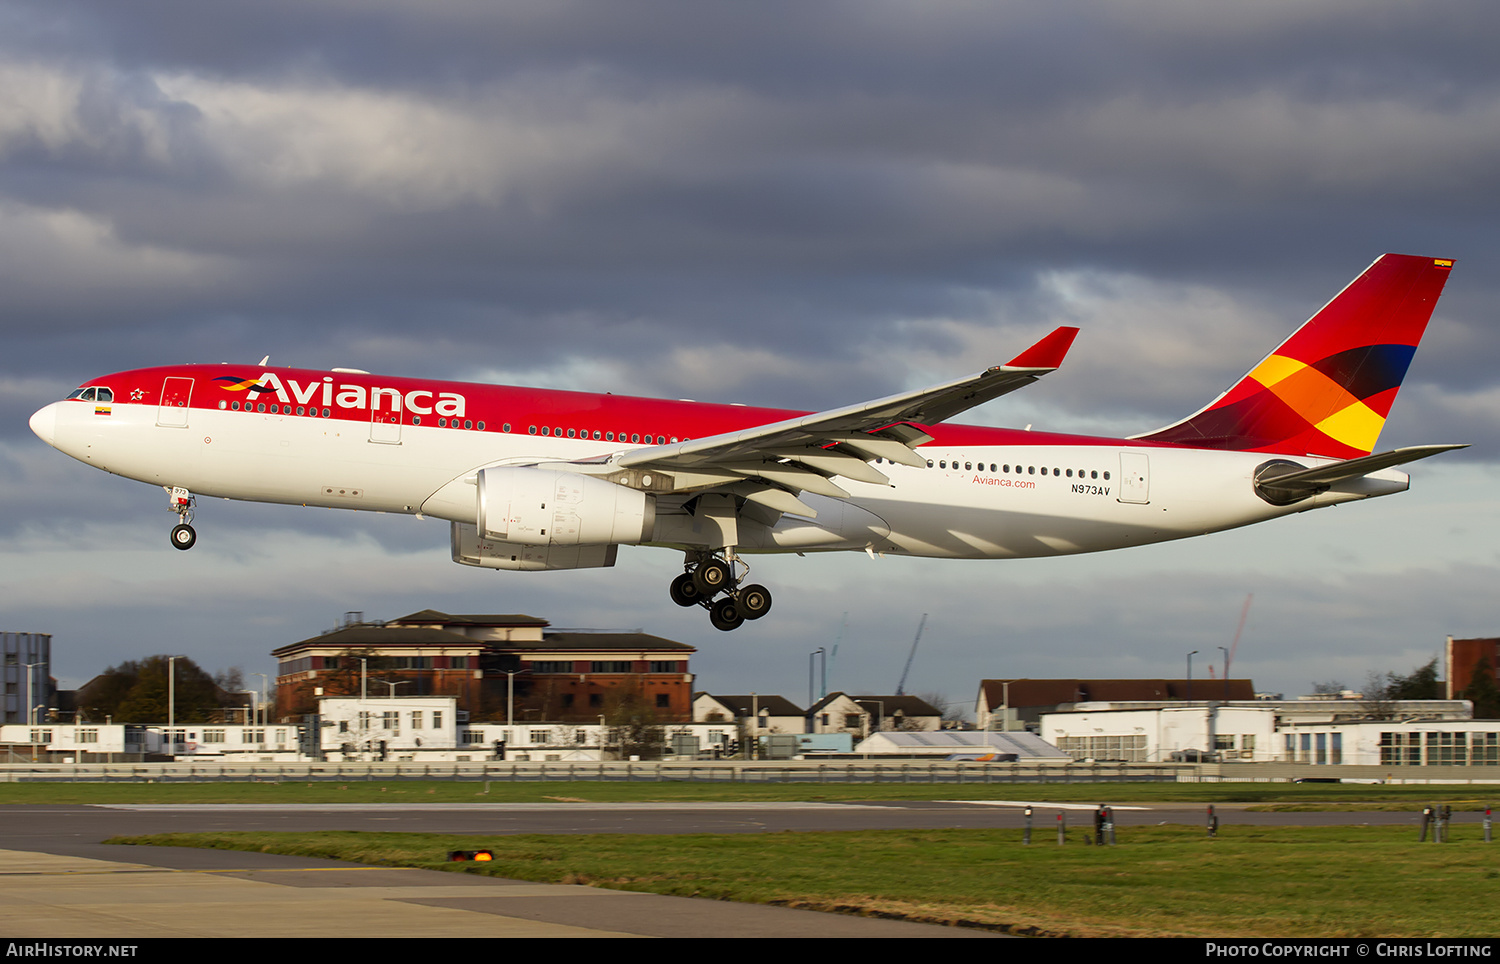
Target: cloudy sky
pixel 797 204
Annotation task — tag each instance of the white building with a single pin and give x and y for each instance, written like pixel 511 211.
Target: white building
pixel 98 742
pixel 1413 732
pixel 380 728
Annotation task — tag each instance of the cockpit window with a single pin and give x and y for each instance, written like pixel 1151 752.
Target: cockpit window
pixel 86 394
pixel 105 395
pixel 92 394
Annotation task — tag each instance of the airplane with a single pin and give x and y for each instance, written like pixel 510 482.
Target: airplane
pixel 533 479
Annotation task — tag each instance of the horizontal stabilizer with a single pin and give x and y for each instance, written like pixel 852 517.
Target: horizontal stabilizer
pixel 1283 483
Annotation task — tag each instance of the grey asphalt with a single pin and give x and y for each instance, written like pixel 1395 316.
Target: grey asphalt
pixel 57 879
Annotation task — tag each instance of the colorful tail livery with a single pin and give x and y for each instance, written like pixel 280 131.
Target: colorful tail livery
pixel 1328 389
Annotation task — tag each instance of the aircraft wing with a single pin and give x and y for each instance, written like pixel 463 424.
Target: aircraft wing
pixel 1296 485
pixel 807 452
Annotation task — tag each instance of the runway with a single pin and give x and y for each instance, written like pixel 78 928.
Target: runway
pixel 58 880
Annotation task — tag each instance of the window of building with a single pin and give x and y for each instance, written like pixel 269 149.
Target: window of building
pixel 610 666
pixel 87 736
pixel 664 666
pixel 213 736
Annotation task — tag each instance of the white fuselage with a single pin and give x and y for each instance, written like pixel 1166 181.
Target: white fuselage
pixel 1037 500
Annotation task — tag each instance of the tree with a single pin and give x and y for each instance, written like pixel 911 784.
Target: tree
pixel 632 725
pixel 139 691
pixel 1483 692
pixel 1421 684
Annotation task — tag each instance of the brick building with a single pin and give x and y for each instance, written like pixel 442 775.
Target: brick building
pixel 481 660
pixel 1464 657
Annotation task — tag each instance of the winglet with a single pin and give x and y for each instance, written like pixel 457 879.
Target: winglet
pixel 1047 353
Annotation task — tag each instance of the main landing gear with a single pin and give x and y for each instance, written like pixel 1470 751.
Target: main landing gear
pixel 182 503
pixel 709 576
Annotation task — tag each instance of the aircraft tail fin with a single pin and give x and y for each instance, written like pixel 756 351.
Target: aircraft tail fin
pixel 1328 388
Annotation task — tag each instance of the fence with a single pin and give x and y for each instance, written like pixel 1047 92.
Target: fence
pixel 837 771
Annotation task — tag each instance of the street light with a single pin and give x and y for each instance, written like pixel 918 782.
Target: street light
pixel 265 686
pixel 30 678
pixel 1190 675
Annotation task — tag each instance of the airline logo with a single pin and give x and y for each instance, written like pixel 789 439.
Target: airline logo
pixel 328 394
pixel 233 384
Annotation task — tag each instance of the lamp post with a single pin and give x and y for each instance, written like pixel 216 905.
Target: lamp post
pixel 820 651
pixel 30 678
pixel 1225 651
pixel 1190 675
pixel 172 690
pixel 265 686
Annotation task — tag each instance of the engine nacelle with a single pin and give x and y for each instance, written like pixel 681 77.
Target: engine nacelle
pixel 471 549
pixel 542 507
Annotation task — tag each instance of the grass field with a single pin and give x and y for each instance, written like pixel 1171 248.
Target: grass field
pixel 1275 795
pixel 1159 881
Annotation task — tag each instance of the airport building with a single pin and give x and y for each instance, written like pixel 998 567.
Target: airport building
pixel 497 667
pixel 26 672
pixel 1319 732
pixel 1018 704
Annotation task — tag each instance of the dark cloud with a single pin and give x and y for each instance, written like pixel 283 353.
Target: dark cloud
pixel 792 204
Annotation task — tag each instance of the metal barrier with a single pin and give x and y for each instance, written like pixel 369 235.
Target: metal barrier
pixel 905 771
pixel 732 771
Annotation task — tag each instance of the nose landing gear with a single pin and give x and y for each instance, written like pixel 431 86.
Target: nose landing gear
pixel 708 576
pixel 182 503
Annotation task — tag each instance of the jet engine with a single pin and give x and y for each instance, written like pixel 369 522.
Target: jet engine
pixel 544 507
pixel 472 549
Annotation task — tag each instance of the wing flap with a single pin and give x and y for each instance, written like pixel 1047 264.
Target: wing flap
pixel 871 429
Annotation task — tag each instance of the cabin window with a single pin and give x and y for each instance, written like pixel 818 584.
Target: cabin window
pixel 468 423
pixel 503 428
pixel 635 438
pixel 531 430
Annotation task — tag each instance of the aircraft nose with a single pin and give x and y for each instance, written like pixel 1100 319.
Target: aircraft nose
pixel 44 423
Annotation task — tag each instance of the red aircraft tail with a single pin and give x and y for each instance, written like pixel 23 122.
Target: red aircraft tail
pixel 1328 389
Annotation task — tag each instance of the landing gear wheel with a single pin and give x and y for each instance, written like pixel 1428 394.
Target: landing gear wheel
pixel 713 577
pixel 183 536
pixel 755 601
pixel 725 614
pixel 684 591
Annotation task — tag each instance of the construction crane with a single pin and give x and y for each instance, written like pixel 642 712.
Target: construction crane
pixel 901 686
